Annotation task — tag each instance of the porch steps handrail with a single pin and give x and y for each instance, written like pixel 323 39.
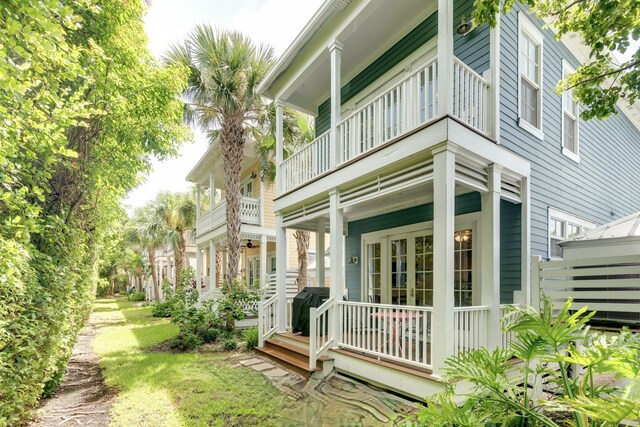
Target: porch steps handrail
pixel 268 320
pixel 321 338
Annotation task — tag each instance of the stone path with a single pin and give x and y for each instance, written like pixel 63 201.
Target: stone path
pixel 83 399
pixel 335 401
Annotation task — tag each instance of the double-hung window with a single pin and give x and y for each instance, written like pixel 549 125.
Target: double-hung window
pixel 563 226
pixel 570 119
pixel 530 77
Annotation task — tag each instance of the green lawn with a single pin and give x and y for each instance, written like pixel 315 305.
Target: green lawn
pixel 165 389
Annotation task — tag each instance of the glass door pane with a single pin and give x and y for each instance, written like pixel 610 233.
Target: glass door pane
pixel 374 282
pixel 463 268
pixel 424 271
pixel 399 289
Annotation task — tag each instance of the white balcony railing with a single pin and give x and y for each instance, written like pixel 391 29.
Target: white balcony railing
pixel 210 220
pixel 408 104
pixel 306 163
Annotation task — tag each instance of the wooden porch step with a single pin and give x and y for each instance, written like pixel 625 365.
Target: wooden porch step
pixel 292 356
pixel 298 352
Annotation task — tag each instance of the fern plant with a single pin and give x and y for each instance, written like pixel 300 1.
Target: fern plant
pixel 504 387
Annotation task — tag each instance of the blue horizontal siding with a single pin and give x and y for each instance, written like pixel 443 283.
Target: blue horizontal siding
pixel 510 250
pixel 607 178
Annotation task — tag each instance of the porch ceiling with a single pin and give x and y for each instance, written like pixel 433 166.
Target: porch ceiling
pixel 211 163
pixel 302 77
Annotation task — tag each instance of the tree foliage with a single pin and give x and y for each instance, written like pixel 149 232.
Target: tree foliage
pixel 84 107
pixel 605 26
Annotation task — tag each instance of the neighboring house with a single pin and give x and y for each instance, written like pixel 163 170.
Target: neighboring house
pixel 258 258
pixel 443 161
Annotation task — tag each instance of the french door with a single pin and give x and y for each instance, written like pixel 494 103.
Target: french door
pixel 398 268
pixel 253 269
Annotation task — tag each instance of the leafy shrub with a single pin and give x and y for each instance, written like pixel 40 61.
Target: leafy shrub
pixel 500 393
pixel 210 335
pixel 186 341
pixel 251 337
pixel 229 344
pixel 137 296
pixel 161 309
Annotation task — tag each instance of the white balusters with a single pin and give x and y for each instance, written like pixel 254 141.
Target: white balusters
pixel 470 326
pixel 470 95
pixel 268 321
pixel 320 336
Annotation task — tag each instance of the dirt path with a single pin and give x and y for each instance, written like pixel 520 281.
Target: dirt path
pixel 83 399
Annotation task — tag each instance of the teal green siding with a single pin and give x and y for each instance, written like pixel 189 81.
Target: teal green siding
pixel 417 37
pixel 464 204
pixel 510 251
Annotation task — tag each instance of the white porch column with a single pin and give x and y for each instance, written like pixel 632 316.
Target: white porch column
pixel 491 255
pixel 525 239
pixel 198 267
pixel 442 331
pixel 445 57
pixel 263 260
pixel 336 229
pixel 335 50
pixel 212 191
pixel 279 146
pixel 281 272
pixel 197 201
pixel 494 98
pixel 212 265
pixel 261 203
pixel 320 249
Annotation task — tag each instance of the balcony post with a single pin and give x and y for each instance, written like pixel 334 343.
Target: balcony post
pixel 197 201
pixel 281 272
pixel 320 268
pixel 212 192
pixel 213 278
pixel 336 227
pixel 494 90
pixel 445 57
pixel 279 145
pixel 263 260
pixel 490 295
pixel 442 332
pixel 198 268
pixel 335 50
pixel 531 298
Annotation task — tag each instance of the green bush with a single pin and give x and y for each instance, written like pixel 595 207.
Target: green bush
pixel 251 337
pixel 229 344
pixel 546 346
pixel 210 335
pixel 137 296
pixel 186 341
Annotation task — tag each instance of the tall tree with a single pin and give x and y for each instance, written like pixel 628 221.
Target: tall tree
pixel 225 70
pixel 297 131
pixel 178 213
pixel 605 26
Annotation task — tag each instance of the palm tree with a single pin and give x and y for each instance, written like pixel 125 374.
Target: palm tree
pixel 297 131
pixel 221 99
pixel 178 213
pixel 146 230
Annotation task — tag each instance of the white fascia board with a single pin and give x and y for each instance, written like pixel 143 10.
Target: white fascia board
pixel 195 174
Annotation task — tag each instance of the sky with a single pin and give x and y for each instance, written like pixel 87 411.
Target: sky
pixel 276 22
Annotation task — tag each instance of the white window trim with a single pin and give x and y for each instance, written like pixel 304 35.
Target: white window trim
pixel 568 219
pixel 524 25
pixel 566 70
pixel 471 220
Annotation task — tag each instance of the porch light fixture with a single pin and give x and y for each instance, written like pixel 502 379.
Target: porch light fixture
pixel 254 175
pixel 249 244
pixel 462 238
pixel 464 27
pixel 353 259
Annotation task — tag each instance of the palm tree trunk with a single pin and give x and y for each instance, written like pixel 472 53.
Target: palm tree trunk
pixel 154 279
pixel 232 143
pixel 180 258
pixel 302 244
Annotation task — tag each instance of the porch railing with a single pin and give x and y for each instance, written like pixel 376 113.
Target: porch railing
pixel 506 337
pixel 470 328
pixel 306 163
pixel 210 220
pixel 320 337
pixel 267 319
pixel 394 332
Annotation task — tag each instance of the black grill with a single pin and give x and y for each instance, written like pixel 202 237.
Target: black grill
pixel 301 307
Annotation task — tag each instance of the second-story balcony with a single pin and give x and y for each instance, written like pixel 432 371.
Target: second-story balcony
pixel 217 217
pixel 408 104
